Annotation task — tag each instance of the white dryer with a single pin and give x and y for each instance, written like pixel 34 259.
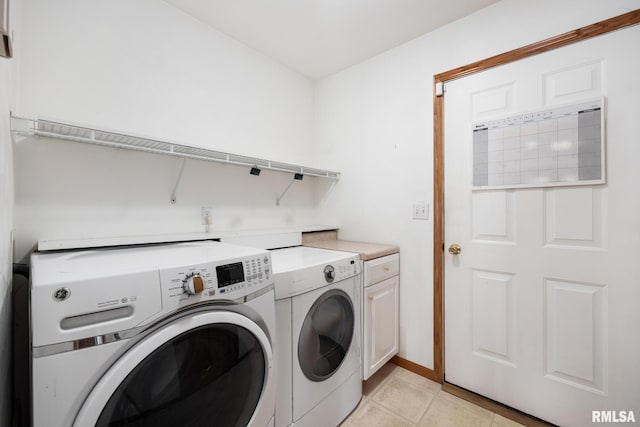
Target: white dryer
pixel 318 300
pixel 165 335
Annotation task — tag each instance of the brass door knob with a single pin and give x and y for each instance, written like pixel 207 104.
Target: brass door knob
pixel 455 249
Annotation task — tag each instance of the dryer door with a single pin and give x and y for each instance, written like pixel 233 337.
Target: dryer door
pixel 205 369
pixel 326 335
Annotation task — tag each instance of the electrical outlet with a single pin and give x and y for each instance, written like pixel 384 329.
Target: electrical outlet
pixel 206 214
pixel 421 211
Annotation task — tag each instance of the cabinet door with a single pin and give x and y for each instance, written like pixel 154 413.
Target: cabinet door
pixel 380 324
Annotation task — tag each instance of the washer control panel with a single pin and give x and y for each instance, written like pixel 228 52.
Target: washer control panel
pixel 303 269
pixel 228 280
pixel 341 270
pixel 77 295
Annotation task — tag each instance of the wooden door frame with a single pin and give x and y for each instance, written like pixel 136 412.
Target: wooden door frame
pixel 599 28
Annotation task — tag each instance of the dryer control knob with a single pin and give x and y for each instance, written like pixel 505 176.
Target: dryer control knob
pixel 329 273
pixel 193 284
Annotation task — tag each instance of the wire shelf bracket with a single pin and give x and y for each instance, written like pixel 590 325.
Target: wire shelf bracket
pixel 178 179
pixel 296 177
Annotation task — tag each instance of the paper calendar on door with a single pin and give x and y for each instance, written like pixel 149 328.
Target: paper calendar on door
pixel 556 146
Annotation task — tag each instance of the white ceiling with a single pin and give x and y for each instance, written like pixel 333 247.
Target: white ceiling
pixel 320 37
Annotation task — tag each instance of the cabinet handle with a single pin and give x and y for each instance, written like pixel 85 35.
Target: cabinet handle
pixel 386 268
pixel 370 297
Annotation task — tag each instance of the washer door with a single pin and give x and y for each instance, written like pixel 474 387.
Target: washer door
pixel 212 367
pixel 326 335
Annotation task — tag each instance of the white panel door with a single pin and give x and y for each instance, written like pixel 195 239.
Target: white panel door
pixel 542 305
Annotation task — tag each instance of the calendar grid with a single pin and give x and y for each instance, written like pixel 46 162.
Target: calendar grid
pixel 558 146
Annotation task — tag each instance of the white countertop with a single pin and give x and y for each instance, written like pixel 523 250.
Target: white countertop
pixel 96 242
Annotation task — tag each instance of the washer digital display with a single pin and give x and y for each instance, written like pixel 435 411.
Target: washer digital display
pixel 230 274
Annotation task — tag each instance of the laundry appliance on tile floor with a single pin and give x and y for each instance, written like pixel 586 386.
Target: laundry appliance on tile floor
pixel 318 346
pixel 164 335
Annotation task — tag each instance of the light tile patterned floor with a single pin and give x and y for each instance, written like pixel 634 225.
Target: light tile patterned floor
pixel 395 397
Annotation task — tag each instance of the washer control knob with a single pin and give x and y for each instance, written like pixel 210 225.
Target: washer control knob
pixel 329 273
pixel 193 284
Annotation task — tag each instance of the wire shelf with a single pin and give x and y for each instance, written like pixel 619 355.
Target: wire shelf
pixel 70 132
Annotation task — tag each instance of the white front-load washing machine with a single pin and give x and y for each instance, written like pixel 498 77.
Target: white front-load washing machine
pixel 318 347
pixel 164 335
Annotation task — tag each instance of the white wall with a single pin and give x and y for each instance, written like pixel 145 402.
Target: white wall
pixel 374 123
pixel 6 227
pixel 7 100
pixel 147 68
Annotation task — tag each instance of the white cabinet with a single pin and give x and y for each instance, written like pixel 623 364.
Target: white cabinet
pixel 380 313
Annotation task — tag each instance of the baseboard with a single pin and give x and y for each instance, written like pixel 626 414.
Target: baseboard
pixel 415 368
pixel 493 406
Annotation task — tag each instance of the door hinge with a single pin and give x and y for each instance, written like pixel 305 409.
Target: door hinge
pixel 443 247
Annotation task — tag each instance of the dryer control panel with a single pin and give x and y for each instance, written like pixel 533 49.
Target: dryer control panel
pixel 229 280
